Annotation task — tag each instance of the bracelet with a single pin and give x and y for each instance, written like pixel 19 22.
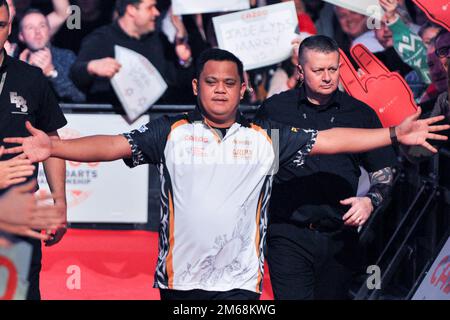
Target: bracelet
pixel 393 136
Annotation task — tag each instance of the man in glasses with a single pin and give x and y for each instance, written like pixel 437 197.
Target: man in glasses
pixel 442 45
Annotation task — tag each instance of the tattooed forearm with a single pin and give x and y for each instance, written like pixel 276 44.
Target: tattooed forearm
pixel 380 185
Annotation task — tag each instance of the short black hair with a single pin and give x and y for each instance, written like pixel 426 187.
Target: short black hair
pixel 218 55
pixel 4 3
pixel 121 5
pixel 318 43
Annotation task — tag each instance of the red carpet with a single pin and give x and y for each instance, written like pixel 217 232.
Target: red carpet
pixel 105 265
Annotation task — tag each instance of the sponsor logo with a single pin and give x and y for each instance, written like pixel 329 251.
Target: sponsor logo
pixel 196 139
pixel 20 103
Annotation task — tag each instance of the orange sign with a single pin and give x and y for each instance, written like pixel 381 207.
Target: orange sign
pixel 437 10
pixel 384 91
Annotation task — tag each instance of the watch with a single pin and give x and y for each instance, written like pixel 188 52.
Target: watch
pixel 393 136
pixel 376 201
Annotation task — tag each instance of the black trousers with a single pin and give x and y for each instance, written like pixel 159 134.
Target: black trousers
pixel 235 294
pixel 307 264
pixel 33 292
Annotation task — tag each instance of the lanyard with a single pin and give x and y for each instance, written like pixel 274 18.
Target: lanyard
pixel 2 82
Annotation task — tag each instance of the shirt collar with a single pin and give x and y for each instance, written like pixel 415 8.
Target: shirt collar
pixel 334 101
pixel 196 115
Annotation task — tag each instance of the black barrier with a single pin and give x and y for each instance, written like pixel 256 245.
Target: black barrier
pixel 404 237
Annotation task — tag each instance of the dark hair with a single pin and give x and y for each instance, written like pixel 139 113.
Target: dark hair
pixel 27 13
pixel 121 5
pixel 318 43
pixel 4 3
pixel 441 33
pixel 426 26
pixel 218 55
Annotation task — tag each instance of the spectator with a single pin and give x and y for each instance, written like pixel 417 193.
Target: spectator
pixel 354 26
pixel 54 62
pixel 438 76
pixel 135 30
pixel 56 19
pixel 407 43
pixel 429 31
pixel 442 44
pixel 389 56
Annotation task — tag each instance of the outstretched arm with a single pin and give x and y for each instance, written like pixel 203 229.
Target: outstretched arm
pixel 410 132
pixel 59 15
pixel 39 147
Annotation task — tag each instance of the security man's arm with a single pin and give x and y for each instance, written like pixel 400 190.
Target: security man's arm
pixel 362 207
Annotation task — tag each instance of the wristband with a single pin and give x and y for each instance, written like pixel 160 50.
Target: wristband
pixel 393 136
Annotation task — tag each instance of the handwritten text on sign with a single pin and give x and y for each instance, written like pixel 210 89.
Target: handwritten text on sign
pixel 259 37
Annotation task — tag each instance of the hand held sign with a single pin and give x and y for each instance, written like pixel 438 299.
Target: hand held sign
pixel 384 91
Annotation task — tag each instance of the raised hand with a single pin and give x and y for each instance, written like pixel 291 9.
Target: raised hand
pixel 22 212
pixel 415 132
pixel 436 10
pixel 389 7
pixel 386 92
pixel 37 147
pixel 106 67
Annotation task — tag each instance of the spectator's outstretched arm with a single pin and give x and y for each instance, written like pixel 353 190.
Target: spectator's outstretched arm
pixel 410 132
pixel 39 147
pixel 59 15
pixel 408 45
pixel 21 212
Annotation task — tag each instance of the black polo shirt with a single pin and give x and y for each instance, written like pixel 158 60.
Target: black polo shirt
pixel 25 95
pixel 312 193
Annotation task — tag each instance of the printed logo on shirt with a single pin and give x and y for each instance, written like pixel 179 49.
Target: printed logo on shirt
pixel 20 103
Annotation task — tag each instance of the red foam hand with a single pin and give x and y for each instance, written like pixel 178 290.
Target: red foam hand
pixel 437 10
pixel 384 91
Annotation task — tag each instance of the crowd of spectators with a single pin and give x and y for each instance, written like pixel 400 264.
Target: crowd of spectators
pixel 404 42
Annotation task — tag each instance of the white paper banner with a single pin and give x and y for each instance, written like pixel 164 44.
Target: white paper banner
pixel 259 37
pixel 365 7
pixel 106 192
pixel 436 285
pixel 138 84
pixel 180 7
pixel 14 267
